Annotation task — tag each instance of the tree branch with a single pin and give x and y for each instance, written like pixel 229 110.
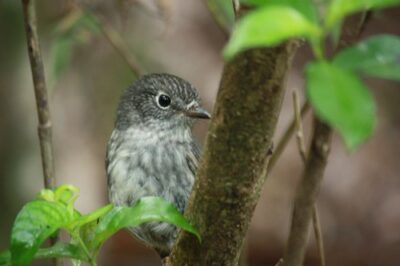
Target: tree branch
pixel 120 46
pixel 115 40
pixel 314 168
pixel 286 137
pixel 302 149
pixel 230 178
pixel 42 103
pixel 307 192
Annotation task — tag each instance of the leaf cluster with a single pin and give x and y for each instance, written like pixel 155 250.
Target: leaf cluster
pixel 54 210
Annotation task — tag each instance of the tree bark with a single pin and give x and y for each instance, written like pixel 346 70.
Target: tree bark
pixel 236 152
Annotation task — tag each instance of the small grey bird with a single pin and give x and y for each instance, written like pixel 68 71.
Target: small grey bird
pixel 152 152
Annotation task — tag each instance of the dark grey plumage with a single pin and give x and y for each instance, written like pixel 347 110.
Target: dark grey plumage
pixel 151 151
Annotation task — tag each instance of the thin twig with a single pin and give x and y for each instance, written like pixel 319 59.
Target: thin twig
pixel 302 149
pixel 116 41
pixel 299 127
pixel 286 137
pixel 42 102
pixel 120 46
pixel 236 7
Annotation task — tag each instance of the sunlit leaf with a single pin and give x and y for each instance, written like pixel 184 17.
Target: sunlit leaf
pixel 306 7
pixel 338 9
pixel 377 56
pixel 147 209
pixel 341 99
pixel 36 222
pixel 269 26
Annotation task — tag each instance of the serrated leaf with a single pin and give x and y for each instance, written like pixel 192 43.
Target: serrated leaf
pixel 36 222
pixel 222 11
pixel 269 26
pixel 338 9
pixel 377 56
pixel 341 99
pixel 306 7
pixel 147 209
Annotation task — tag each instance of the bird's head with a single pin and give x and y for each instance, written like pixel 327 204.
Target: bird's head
pixel 161 100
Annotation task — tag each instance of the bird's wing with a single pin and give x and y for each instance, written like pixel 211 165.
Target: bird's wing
pixel 193 157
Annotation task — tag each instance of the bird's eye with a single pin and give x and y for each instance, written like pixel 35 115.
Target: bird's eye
pixel 163 101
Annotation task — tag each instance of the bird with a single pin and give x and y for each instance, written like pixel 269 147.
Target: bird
pixel 152 152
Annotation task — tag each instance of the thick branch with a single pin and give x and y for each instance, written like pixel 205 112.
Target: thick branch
pixel 315 167
pixel 42 103
pixel 237 148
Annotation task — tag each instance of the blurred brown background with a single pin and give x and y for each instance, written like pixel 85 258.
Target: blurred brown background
pixel 359 201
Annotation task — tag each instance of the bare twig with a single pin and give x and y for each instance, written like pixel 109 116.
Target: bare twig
pixel 236 7
pixel 116 41
pixel 314 169
pixel 318 235
pixel 306 193
pixel 120 46
pixel 302 149
pixel 42 102
pixel 299 127
pixel 286 137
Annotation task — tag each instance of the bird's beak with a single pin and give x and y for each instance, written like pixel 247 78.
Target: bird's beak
pixel 197 112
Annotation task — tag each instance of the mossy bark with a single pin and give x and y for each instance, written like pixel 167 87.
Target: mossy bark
pixel 237 149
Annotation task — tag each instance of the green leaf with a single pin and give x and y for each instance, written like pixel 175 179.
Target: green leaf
pixel 59 250
pixel 73 29
pixel 147 209
pixel 377 56
pixel 342 100
pixel 62 250
pixel 269 26
pixel 84 219
pixel 36 222
pixel 85 225
pixel 60 54
pixel 222 11
pixel 305 7
pixel 338 9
